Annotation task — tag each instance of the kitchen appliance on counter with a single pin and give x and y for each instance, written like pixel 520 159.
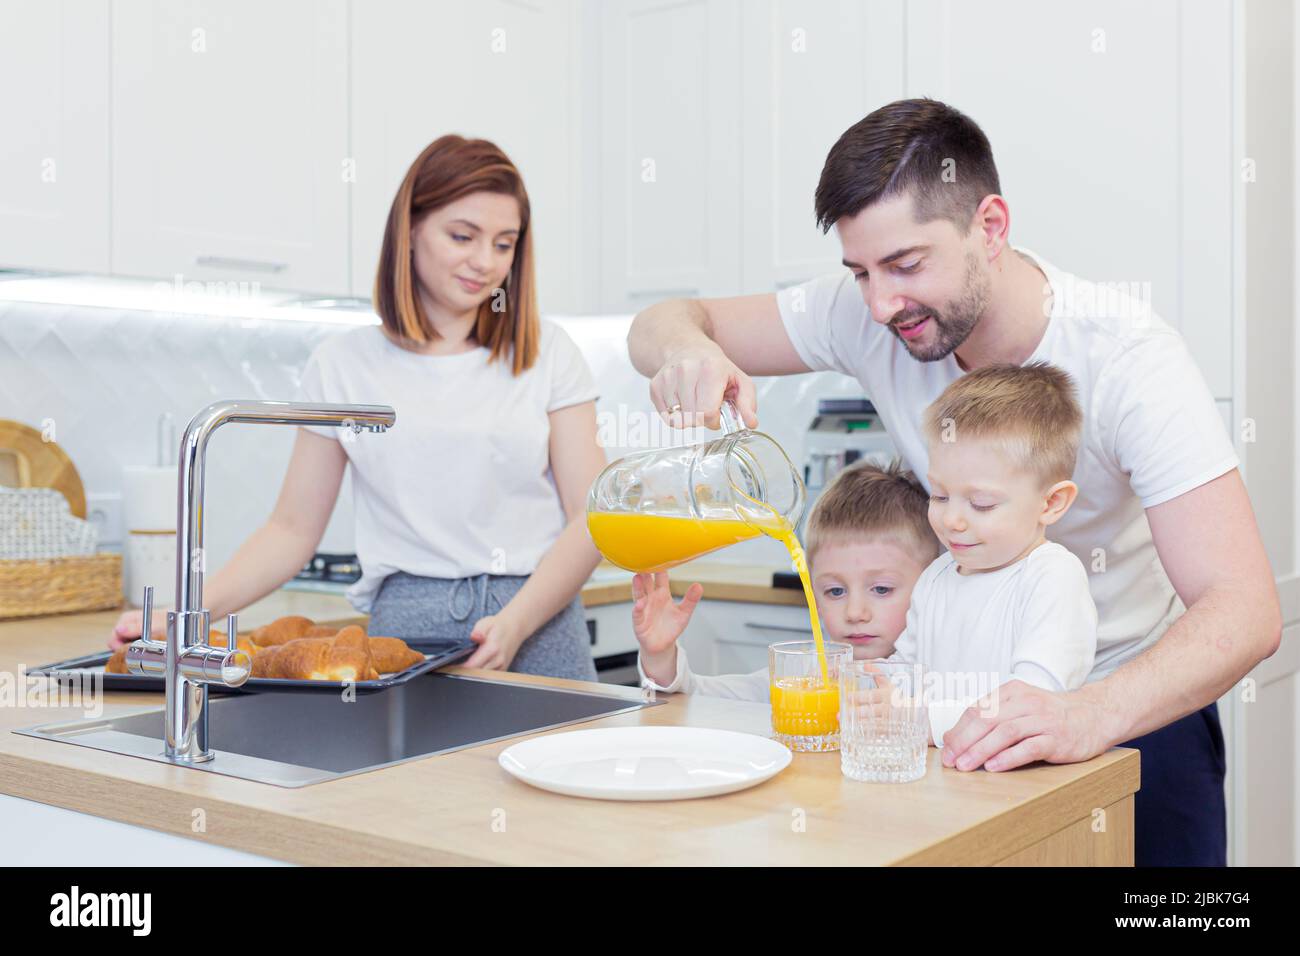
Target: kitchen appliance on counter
pixel 844 431
pixel 327 572
pixel 149 506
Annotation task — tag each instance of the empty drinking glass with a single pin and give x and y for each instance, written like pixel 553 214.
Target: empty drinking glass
pixel 884 729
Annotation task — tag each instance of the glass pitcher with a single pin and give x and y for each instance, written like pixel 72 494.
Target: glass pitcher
pixel 654 510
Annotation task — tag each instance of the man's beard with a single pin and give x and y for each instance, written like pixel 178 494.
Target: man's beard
pixel 952 326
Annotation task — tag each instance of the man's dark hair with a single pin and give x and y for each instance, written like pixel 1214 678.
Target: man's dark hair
pixel 901 148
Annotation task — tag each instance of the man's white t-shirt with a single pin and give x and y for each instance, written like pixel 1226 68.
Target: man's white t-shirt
pixel 461 485
pixel 1151 430
pixel 1033 620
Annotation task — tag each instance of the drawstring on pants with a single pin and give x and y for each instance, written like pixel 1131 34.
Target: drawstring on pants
pixel 469 583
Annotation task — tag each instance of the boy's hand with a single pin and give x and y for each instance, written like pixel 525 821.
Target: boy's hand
pixel 657 622
pixel 875 703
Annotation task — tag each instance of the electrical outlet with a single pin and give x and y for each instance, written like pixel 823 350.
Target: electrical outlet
pixel 104 511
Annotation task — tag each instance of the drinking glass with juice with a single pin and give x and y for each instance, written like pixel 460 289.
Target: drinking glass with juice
pixel 806 705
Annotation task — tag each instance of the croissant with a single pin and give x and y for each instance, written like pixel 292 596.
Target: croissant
pixel 391 654
pixel 345 657
pixel 282 630
pixel 117 663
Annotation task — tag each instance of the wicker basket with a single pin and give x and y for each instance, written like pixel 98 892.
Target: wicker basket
pixel 91 582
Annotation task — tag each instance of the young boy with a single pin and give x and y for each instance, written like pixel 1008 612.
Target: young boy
pixel 1003 603
pixel 867 541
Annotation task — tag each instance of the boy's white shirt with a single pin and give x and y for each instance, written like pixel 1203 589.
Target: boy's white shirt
pixel 1033 621
pixel 752 686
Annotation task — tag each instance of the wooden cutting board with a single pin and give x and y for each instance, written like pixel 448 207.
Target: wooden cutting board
pixel 27 461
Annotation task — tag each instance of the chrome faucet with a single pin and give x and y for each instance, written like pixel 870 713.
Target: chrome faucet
pixel 187 661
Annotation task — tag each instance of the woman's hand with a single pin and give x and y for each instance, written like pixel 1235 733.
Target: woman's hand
pixel 499 639
pixel 130 626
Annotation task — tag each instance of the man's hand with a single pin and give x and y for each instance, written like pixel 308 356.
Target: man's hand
pixel 1028 724
pixel 689 389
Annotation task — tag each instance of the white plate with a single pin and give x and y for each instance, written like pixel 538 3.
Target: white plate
pixel 645 763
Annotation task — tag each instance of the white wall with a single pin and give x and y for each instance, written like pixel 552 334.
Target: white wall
pixel 1264 725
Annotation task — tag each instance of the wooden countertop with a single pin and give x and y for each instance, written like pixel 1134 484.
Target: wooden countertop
pixel 722 582
pixel 609 585
pixel 442 810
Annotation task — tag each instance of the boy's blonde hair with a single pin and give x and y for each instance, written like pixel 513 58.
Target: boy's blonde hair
pixel 866 500
pixel 1031 409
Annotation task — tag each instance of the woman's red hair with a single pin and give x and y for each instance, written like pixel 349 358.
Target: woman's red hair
pixel 448 169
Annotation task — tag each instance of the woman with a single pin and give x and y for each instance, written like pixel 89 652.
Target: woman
pixel 470 510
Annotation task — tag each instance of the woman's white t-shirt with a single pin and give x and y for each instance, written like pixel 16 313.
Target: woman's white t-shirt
pixel 461 485
pixel 1151 429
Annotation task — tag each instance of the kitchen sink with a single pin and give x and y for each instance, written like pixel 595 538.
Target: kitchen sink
pixel 296 739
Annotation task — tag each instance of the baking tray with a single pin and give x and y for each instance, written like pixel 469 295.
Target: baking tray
pixel 438 653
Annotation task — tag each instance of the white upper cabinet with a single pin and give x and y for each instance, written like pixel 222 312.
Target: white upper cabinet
pixel 1112 128
pixel 670 150
pixel 507 72
pixel 230 141
pixel 54 165
pixel 811 70
pixel 670 147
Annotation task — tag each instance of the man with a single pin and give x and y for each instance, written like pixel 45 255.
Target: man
pixel 1183 588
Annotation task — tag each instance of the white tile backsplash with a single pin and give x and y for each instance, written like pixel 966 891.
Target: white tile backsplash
pixel 105 375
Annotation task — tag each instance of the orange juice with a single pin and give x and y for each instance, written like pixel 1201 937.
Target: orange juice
pixel 649 542
pixel 781 530
pixel 805 707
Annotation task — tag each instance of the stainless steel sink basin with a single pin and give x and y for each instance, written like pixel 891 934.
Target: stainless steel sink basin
pixel 292 740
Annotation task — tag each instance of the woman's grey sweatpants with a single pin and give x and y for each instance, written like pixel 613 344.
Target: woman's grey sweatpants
pixel 412 607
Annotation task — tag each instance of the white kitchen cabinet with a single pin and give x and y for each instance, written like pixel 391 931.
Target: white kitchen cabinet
pixel 731 637
pixel 670 150
pixel 613 629
pixel 38 834
pixel 508 72
pixel 811 70
pixel 230 142
pixel 614 634
pixel 1112 126
pixel 724 637
pixel 54 158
